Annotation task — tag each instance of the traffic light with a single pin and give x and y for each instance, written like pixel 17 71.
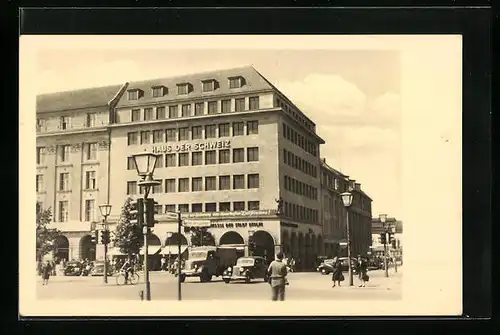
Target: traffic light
pixel 382 238
pixel 94 235
pixel 150 212
pixel 137 212
pixel 105 237
pixel 392 240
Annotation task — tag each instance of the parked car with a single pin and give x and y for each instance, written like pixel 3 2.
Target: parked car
pixel 326 267
pixel 247 269
pixel 208 261
pixel 98 269
pixel 345 266
pixel 73 268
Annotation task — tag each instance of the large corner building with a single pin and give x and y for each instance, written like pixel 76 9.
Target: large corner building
pixel 230 145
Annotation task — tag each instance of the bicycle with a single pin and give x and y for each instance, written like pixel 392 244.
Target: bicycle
pixel 133 278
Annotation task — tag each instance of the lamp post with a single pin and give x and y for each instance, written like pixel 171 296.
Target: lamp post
pixel 395 251
pixel 145 163
pixel 383 219
pixel 105 210
pixel 347 201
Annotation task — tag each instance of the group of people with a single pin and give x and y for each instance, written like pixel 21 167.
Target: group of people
pixel 166 264
pixel 361 268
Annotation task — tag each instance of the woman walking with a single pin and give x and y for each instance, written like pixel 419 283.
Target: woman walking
pixel 46 270
pixel 362 269
pixel 337 275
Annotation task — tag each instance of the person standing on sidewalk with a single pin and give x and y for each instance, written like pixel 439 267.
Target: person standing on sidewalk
pixel 277 274
pixel 337 275
pixel 362 269
pixel 46 271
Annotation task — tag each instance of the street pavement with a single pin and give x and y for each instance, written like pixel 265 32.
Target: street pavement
pixel 303 286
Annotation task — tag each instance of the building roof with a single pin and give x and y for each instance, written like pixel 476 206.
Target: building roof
pixel 325 165
pixel 253 81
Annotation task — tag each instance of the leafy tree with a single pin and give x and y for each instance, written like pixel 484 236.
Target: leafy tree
pixel 201 236
pixel 45 236
pixel 127 237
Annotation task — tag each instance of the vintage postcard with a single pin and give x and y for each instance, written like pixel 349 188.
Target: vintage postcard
pixel 242 175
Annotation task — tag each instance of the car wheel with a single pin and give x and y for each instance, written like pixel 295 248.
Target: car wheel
pixel 323 272
pixel 248 280
pixel 227 281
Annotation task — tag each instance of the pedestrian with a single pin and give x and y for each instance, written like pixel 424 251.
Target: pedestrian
pixel 362 269
pixel 277 274
pixel 46 271
pixel 163 261
pixel 337 275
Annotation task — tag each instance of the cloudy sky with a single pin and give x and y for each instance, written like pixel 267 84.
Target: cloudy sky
pixel 353 96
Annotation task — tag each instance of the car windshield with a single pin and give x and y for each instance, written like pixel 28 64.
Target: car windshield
pixel 245 261
pixel 198 255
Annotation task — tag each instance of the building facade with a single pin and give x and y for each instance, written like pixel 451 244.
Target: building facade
pixel 377 228
pixel 230 147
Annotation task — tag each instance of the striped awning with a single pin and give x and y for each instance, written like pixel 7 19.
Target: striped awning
pixel 173 249
pixel 152 249
pixel 233 246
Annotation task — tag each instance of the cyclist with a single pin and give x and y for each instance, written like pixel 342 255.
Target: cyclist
pixel 127 268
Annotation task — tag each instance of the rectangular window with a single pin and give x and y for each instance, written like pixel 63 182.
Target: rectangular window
pixel 184 134
pixel 90 180
pixel 210 157
pixel 173 112
pixel 186 110
pixel 224 129
pixel 224 207
pixel 131 187
pixel 183 208
pixel 252 154
pixel 156 189
pixel 157 136
pixel 89 210
pixel 170 160
pixel 63 211
pixel 239 105
pixel 212 107
pixel 90 151
pixel 253 205
pixel 170 185
pixel 159 162
pixel 210 131
pixel 252 127
pixel 141 189
pixel 234 83
pixel 210 207
pixel 224 156
pixel 196 132
pixel 132 138
pixel 197 158
pixel 239 206
pixel 158 91
pixel 145 137
pixel 182 89
pixel 171 135
pixel 41 125
pixel 197 208
pixel 238 155
pixel 184 159
pixel 148 114
pixel 40 155
pixel 64 153
pixel 226 106
pixel 160 113
pixel 253 180
pixel 169 208
pixel 238 182
pixel 136 115
pixel 210 184
pixel 199 108
pixel 65 122
pixel 224 183
pixel 253 103
pixel 197 184
pixel 133 95
pixel 208 86
pixel 158 209
pixel 39 183
pixel 90 120
pixel 238 129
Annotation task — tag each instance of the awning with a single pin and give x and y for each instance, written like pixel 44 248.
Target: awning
pixel 115 251
pixel 152 249
pixel 173 249
pixel 232 246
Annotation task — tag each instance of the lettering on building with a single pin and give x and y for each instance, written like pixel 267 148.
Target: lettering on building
pixel 237 225
pixel 192 147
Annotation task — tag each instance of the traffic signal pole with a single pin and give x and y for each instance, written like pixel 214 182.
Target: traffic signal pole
pixel 145 231
pixel 179 271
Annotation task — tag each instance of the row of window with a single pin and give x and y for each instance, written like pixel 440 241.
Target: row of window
pixel 65 122
pixel 327 179
pixel 207 85
pixel 187 110
pixel 193 133
pixel 291 110
pixel 90 151
pixel 300 213
pixel 209 207
pixel 89 210
pixel 64 184
pixel 211 157
pixel 293 136
pixel 300 188
pixel 299 164
pixel 198 184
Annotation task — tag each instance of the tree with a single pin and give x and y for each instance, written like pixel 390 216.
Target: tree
pixel 127 237
pixel 201 236
pixel 45 236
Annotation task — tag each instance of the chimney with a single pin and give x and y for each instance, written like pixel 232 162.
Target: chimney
pixel 357 186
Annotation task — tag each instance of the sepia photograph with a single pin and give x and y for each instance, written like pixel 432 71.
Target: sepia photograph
pixel 260 169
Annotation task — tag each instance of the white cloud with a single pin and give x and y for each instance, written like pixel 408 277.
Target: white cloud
pixel 387 107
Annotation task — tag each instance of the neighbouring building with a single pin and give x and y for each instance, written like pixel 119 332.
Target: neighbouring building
pixel 377 228
pixel 230 144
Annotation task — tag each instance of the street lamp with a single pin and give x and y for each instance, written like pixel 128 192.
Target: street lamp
pixel 145 163
pixel 383 219
pixel 347 201
pixel 105 210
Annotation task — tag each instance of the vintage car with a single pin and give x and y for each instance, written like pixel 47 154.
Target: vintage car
pixel 326 267
pixel 73 268
pixel 98 269
pixel 247 268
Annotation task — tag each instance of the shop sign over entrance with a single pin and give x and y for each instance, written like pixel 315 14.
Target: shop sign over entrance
pixel 237 225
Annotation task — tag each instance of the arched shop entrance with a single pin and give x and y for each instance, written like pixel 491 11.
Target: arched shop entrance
pixel 171 249
pixel 87 248
pixel 233 239
pixel 61 248
pixel 154 256
pixel 264 245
